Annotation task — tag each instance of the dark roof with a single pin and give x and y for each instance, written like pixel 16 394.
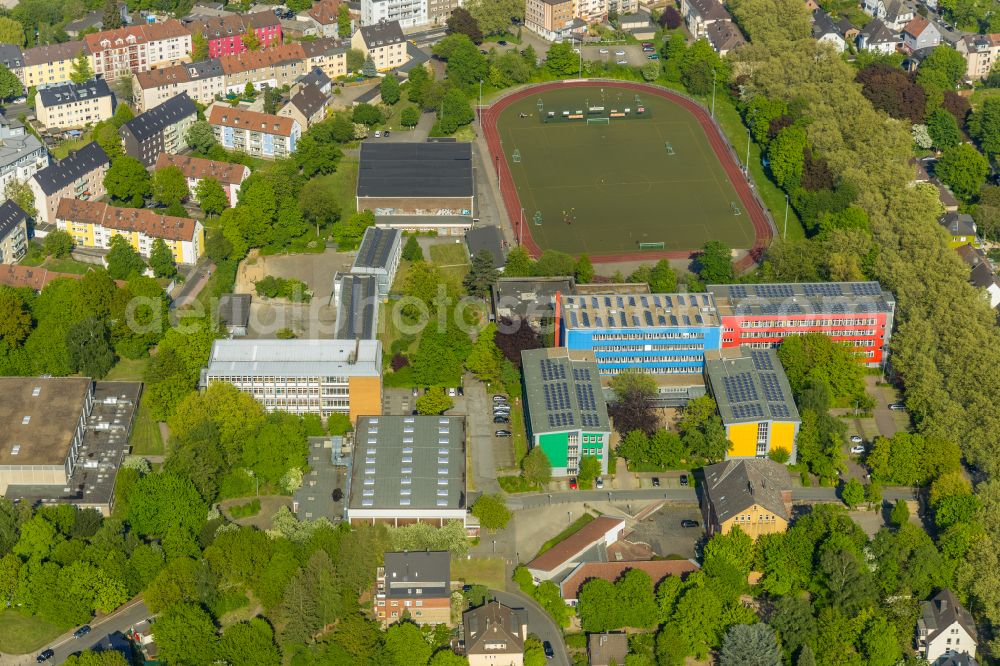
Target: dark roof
pixel 204 69
pixel 309 100
pixel 317 77
pixel 68 93
pixel 724 36
pixel 749 385
pixel 735 485
pixel 823 24
pixel 71 168
pixel 234 309
pixel 710 10
pixel 382 34
pixel 47 53
pixel 11 56
pixel 942 611
pixel 357 307
pixel 486 238
pixel 417 574
pixel 959 224
pixel 417 56
pixel 160 117
pixel 376 246
pixel 981 274
pixel 878 32
pixel 493 625
pixel 562 394
pixel 430 169
pixel 11 215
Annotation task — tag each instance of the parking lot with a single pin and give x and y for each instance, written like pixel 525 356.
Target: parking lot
pixel 663 531
pixel 632 54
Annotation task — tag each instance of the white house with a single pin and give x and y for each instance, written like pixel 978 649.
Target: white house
pixel 920 33
pixel 945 629
pixel 878 37
pixel 826 31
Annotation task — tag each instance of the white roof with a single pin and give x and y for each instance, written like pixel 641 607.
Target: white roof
pixel 308 358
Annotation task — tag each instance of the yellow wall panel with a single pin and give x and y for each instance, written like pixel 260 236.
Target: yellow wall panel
pixel 783 436
pixel 744 439
pixel 365 395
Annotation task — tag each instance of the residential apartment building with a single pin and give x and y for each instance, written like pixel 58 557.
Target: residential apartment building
pixel 13 232
pixel 328 54
pixel 159 130
pixel 80 175
pixel 552 19
pixel 754 400
pixel 325 15
pixel 224 34
pixel 754 495
pixel 74 104
pixel 438 11
pixel 94 224
pixel 981 52
pixel 567 415
pixel 230 176
pixel 407 470
pixel 12 58
pixel 321 377
pixel 407 13
pixel 383 42
pixel 273 68
pixel 306 107
pixel 253 133
pixel 51 63
pixel 495 635
pixel 699 14
pixel 137 48
pixel 202 81
pixel 946 631
pixel 919 34
pixel 417 584
pixel 22 155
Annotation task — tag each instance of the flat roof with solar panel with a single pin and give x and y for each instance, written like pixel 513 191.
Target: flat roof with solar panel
pixel 803 298
pixel 563 393
pixel 749 385
pixel 639 311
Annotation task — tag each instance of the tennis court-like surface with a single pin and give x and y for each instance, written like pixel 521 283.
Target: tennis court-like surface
pixel 607 188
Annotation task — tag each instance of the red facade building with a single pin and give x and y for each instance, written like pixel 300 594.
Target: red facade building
pixel 762 315
pixel 224 34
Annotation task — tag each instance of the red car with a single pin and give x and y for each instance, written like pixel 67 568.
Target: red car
pixel 572 483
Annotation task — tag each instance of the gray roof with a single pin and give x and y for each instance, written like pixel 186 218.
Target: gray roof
pixel 534 296
pixel 234 309
pixel 160 117
pixel 605 648
pixel 749 385
pixel 290 358
pixel 68 93
pixel 376 247
pixel 823 24
pixel 487 238
pixel 382 34
pixel 327 472
pixel 802 298
pixel 942 611
pixel 563 394
pixel 431 169
pixel 417 56
pixel 418 574
pixel 618 311
pixel 357 308
pixel 982 274
pixel 316 77
pixel 734 486
pixel 710 10
pixel 724 36
pixel 492 625
pixel 70 169
pixel 309 100
pixel 959 224
pixel 408 463
pixel 41 55
pixel 878 32
pixel 204 69
pixel 11 215
pixel 11 56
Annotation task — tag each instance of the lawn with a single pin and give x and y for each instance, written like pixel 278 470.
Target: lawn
pixel 64 148
pixel 488 571
pixel 344 184
pixel 128 370
pixel 21 634
pixel 146 437
pixel 575 527
pixel 980 95
pixel 59 265
pixel 452 259
pixel 656 175
pixel 520 439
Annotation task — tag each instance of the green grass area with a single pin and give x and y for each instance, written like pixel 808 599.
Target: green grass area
pixel 980 95
pixel 21 634
pixel 488 571
pixel 574 527
pixel 251 508
pixel 520 435
pixel 66 265
pixel 344 184
pixel 128 370
pixel 574 177
pixel 146 437
pixel 516 484
pixel 64 148
pixel 452 259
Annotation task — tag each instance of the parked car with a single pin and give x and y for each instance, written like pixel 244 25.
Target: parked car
pixel 653 56
pixel 620 52
pixel 623 62
pixel 501 419
pixel 684 479
pixel 689 523
pixel 378 134
pixel 386 133
pixel 501 407
pixel 897 406
pixel 45 655
pixel 572 483
pixel 416 391
pixel 858 450
pixel 647 45
pixel 656 482
pixel 604 51
pixel 502 42
pixel 461 391
pixel 856 439
pixel 452 392
pixel 499 398
pixel 599 482
pixel 484 51
pixel 547 649
pixel 502 433
pixel 82 631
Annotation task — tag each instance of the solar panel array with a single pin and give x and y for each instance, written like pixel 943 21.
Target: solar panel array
pixel 585 396
pixel 561 419
pixel 566 407
pixel 743 389
pixel 751 410
pixel 552 370
pixel 590 420
pixel 739 388
pixel 761 360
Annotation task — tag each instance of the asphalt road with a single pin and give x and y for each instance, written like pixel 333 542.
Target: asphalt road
pixel 120 620
pixel 539 624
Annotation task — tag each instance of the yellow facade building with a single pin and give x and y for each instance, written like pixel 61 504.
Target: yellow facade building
pixel 754 495
pixel 754 400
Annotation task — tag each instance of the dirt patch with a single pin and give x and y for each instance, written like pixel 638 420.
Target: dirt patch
pixel 269 505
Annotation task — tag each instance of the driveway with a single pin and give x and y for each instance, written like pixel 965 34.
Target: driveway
pixel 539 623
pixel 663 531
pixel 630 52
pixel 481 441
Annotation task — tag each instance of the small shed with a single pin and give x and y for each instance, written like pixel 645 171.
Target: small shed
pixel 234 313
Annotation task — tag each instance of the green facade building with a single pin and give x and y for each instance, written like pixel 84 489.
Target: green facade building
pixel 566 412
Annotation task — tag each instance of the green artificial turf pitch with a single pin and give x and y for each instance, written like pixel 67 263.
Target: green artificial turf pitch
pixel 603 189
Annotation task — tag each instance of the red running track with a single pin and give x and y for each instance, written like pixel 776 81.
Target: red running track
pixel 761 225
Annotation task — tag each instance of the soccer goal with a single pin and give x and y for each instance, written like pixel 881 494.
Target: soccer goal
pixel 736 209
pixel 598 121
pixel 516 156
pixel 651 246
pixel 670 148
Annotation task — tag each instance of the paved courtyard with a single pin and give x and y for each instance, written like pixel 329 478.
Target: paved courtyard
pixel 663 531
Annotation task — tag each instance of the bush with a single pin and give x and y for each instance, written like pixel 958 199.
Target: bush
pixel 251 508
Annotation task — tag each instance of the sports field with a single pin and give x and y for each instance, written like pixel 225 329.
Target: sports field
pixel 605 188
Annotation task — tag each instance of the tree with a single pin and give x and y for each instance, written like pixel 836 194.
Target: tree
pixel 536 467
pixel 319 204
pixel 715 264
pixel 418 84
pixel 169 186
pixel 670 18
pixel 355 59
pixel 249 643
pixel 786 155
pixel 892 90
pixel 20 193
pixel 853 493
pixel 945 61
pixel 463 23
pixel 943 129
pixel 11 31
pixel 492 512
pixel 82 71
pixel 367 114
pixel 434 401
pixel 123 260
pixel 963 169
pixel 650 71
pixel 112 18
pixel 984 126
pixel 409 117
pixel 494 16
pixel 250 40
pixel 584 270
pixel 632 408
pixel 750 645
pixel 343 21
pixel 389 89
pixel 185 634
pixel 404 645
pixel 89 345
pixel 466 65
pixel 127 181
pixel 455 112
pixel 482 274
pixel 161 260
pixel 199 47
pixel 200 136
pixel 368 69
pixel 900 514
pixel 15 318
pixel 484 358
pixel 590 469
pixel 662 278
pixel 212 199
pixel 412 250
pixel 561 60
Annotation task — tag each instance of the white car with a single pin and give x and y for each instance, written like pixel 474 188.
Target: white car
pixel 619 53
pixel 857 449
pixel 378 134
pixel 623 61
pixel 856 439
pixel 604 51
pixel 452 392
pixel 599 482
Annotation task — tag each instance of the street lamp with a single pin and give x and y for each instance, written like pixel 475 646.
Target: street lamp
pixel 784 234
pixel 494 546
pixel 480 109
pixel 746 165
pixel 569 516
pixel 714 73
